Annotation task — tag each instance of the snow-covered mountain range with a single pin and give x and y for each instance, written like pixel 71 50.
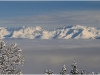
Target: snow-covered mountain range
pixel 65 32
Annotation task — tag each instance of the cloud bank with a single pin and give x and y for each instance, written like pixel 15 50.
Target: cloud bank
pixel 53 54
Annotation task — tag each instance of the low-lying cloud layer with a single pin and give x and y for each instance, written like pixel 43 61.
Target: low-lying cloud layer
pixel 53 54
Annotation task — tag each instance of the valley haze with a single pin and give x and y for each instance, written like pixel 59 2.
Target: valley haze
pixel 41 54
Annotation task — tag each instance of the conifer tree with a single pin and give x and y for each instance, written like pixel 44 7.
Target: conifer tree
pixel 48 72
pixel 63 70
pixel 74 68
pixel 10 58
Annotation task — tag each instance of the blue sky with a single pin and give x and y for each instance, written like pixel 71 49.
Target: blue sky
pixel 49 14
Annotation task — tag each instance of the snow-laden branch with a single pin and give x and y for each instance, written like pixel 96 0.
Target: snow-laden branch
pixel 10 58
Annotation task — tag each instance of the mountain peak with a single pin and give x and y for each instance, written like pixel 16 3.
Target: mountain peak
pixel 80 26
pixel 38 28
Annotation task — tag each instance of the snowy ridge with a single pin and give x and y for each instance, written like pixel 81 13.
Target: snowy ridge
pixel 65 32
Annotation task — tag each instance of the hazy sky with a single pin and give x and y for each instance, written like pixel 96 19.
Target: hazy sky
pixel 49 14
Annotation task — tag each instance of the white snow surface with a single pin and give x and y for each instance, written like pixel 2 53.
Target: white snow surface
pixel 65 32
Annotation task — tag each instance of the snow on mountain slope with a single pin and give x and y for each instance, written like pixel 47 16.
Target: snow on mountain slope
pixel 65 32
pixel 3 32
pixel 27 32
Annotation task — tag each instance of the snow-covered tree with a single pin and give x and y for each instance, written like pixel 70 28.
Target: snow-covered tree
pixel 82 71
pixel 63 70
pixel 48 72
pixel 74 69
pixel 10 58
